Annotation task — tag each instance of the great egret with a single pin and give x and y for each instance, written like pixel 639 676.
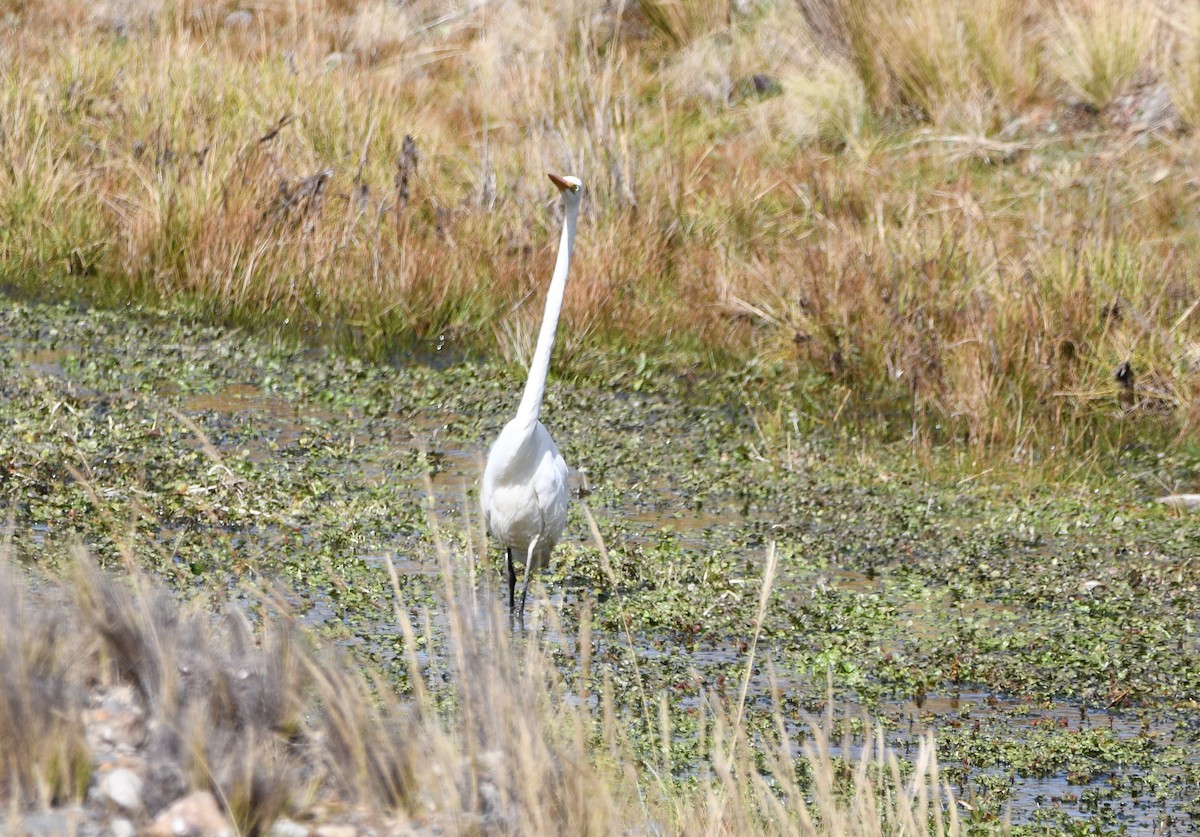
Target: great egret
pixel 525 479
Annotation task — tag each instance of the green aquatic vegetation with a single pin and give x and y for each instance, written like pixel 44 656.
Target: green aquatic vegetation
pixel 222 461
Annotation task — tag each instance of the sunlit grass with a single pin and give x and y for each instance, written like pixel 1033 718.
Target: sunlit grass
pixel 492 734
pixel 1101 44
pixel 888 200
pixel 1183 67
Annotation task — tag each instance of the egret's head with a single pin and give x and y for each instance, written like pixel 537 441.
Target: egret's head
pixel 567 184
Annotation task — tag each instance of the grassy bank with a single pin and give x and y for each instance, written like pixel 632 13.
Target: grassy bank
pixel 967 225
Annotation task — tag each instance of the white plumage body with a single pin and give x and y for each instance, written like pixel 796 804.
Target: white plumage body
pixel 525 491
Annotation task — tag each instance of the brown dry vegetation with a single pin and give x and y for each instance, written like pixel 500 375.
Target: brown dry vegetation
pixel 272 726
pixel 961 217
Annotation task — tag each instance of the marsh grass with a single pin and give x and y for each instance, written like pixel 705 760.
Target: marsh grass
pixel 45 757
pixel 950 61
pixel 490 736
pixel 896 209
pixel 1100 45
pixel 1182 64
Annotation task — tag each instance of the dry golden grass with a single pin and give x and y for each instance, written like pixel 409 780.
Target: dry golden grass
pixel 1100 45
pixel 45 758
pixel 1182 62
pixel 953 61
pixel 924 226
pixel 274 726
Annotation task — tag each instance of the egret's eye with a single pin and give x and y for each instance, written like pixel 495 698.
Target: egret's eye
pixel 574 187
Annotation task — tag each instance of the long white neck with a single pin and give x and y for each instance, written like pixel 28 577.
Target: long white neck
pixel 535 386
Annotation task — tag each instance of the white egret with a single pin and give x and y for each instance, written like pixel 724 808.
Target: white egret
pixel 525 479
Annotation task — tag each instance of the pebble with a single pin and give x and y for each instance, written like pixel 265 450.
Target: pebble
pixel 195 815
pixel 124 788
pixel 121 827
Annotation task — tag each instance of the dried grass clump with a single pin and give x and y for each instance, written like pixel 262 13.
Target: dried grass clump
pixel 1100 45
pixel 379 30
pixel 949 60
pixel 509 742
pixel 965 339
pixel 702 72
pixel 684 21
pixel 43 751
pixel 222 710
pixel 825 103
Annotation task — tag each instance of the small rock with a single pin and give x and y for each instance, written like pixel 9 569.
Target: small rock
pixel 1183 502
pixel 240 19
pixel 765 85
pixel 195 815
pixel 121 827
pixel 288 828
pixel 123 787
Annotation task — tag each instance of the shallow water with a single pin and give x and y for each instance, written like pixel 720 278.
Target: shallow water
pixel 315 478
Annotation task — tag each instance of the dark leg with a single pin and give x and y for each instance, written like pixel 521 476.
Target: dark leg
pixel 525 588
pixel 512 582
